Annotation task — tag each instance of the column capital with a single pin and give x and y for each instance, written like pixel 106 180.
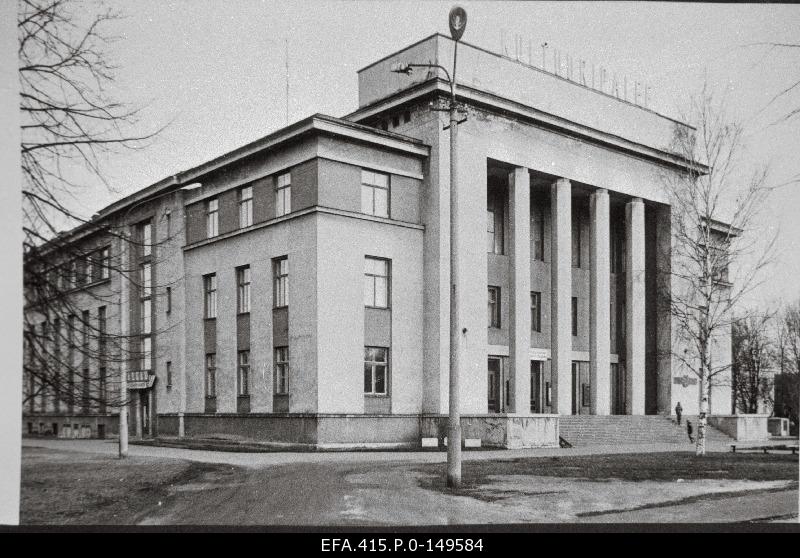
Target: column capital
pixel 600 192
pixel 636 200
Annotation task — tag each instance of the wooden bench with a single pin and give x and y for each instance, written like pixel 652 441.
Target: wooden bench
pixel 765 449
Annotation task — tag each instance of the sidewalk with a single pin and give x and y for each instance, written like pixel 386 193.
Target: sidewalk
pixel 258 460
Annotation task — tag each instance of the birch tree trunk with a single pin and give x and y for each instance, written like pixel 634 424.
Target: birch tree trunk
pixel 702 419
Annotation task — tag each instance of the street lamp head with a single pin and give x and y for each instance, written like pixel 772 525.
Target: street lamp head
pixel 458 22
pixel 401 68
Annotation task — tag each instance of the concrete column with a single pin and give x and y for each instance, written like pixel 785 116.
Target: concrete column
pixel 634 307
pixel 561 295
pixel 150 414
pixel 519 209
pixel 138 418
pixel 599 298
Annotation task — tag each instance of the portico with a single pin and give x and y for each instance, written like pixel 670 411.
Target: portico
pixel 566 293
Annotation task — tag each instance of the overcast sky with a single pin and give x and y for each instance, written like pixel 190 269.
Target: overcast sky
pixel 215 71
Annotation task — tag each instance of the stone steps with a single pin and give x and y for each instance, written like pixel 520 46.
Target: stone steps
pixel 581 430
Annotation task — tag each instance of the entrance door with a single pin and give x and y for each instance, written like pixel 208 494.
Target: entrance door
pixel 576 382
pixel 495 368
pixel 617 389
pixel 536 387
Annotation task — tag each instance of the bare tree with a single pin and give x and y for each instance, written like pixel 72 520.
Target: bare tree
pixel 69 123
pixel 715 263
pixel 787 392
pixel 754 358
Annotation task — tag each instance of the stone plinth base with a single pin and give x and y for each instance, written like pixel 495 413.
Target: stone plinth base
pixel 742 427
pixel 499 431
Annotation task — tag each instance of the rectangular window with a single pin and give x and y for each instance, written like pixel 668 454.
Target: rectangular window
pixel 88 269
pixel 210 287
pixel 103 388
pixel 80 271
pixel 102 325
pixel 281 370
pixel 169 300
pixel 374 193
pixel 169 374
pixel 242 382
pixel 280 272
pixel 73 273
pixel 105 263
pixel 536 311
pixel 537 232
pixel 146 279
pixel 490 230
pixel 145 311
pixel 574 316
pixel 283 195
pixel 243 289
pixel 576 241
pixel 86 319
pixel 212 218
pixel 376 282
pixel 146 238
pixel 376 364
pixel 245 207
pixel 494 306
pixel 586 395
pixel 494 222
pixel 211 375
pixel 616 251
pixel 147 353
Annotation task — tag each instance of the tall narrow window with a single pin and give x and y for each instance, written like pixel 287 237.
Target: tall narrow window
pixel 210 287
pixel 376 363
pixel 490 230
pixel 211 375
pixel 242 382
pixel 374 193
pixel 280 271
pixel 212 218
pixel 376 282
pixel 574 316
pixel 169 299
pixel 145 307
pixel 576 241
pixel 88 269
pixel 146 279
pixel 283 195
pixel 281 370
pixel 494 306
pixel 146 238
pixel 494 223
pixel 102 388
pixel 536 311
pixel 245 207
pixel 243 289
pixel 147 353
pixel 537 232
pixel 169 374
pixel 102 325
pixel 105 263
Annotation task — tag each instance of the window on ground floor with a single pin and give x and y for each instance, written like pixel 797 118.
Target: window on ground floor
pixel 376 369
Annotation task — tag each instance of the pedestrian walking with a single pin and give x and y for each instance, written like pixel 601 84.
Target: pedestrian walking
pixel 678 411
pixel 690 431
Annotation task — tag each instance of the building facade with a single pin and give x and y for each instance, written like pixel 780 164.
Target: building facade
pixel 301 294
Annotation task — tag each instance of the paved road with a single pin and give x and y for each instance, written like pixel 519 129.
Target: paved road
pixel 109 447
pixel 348 489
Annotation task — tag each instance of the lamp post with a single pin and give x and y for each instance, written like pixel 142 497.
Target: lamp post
pixel 458 22
pixel 124 316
